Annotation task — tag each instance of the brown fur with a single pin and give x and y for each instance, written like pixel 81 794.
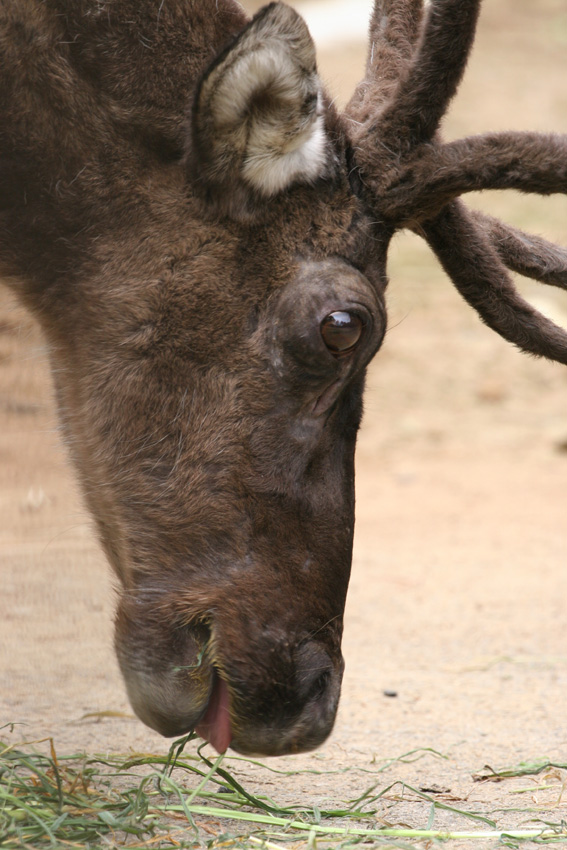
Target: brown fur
pixel 181 284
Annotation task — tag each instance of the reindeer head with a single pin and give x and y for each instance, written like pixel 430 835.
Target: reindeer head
pixel 204 241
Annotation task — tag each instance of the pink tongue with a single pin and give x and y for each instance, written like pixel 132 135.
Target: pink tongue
pixel 215 725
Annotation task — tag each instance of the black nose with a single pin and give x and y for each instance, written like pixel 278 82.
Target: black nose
pixel 294 705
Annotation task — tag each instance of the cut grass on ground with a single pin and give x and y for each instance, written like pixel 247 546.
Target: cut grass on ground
pixel 184 800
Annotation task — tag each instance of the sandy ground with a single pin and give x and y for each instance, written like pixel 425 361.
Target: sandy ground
pixel 458 601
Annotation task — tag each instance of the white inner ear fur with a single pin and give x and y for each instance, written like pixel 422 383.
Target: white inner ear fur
pixel 302 156
pixel 270 106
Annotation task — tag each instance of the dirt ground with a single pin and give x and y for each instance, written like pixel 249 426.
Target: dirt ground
pixel 456 624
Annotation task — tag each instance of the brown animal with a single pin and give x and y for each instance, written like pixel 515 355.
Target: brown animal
pixel 203 239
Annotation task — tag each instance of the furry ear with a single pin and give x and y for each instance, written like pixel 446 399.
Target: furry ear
pixel 258 123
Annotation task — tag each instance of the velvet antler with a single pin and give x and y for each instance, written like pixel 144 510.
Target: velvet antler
pixel 410 178
pixel 525 254
pixel 394 30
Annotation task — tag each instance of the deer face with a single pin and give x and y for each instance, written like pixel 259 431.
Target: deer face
pixel 216 441
pixel 213 400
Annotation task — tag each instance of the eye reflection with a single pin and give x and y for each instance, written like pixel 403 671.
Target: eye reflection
pixel 341 331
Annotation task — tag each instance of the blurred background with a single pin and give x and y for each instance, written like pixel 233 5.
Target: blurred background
pixel 461 541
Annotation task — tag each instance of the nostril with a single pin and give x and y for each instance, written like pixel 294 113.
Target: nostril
pixel 315 673
pixel 319 686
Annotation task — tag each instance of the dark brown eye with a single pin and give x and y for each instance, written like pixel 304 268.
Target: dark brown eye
pixel 341 331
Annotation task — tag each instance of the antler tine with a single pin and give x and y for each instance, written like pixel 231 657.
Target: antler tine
pixel 524 253
pixel 468 257
pixel 530 162
pixel 422 97
pixel 394 32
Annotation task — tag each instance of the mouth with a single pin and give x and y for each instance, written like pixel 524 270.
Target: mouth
pixel 178 683
pixel 215 726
